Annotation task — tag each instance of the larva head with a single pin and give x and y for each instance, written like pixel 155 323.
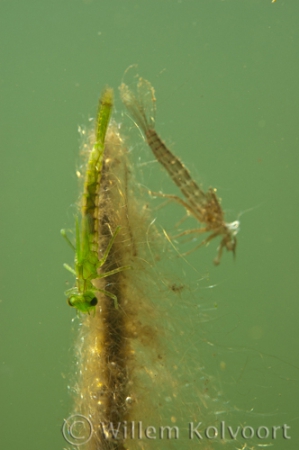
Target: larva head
pixel 233 229
pixel 82 302
pixel 229 240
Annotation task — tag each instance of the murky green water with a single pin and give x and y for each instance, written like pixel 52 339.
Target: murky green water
pixel 226 79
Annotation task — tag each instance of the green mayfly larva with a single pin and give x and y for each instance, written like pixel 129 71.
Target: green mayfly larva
pixel 204 206
pixel 87 261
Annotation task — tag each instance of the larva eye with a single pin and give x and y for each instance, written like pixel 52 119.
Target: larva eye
pixel 93 302
pixel 71 301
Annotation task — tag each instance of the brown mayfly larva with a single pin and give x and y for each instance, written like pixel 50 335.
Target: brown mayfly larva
pixel 204 206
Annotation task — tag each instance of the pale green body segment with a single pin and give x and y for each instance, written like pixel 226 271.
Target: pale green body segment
pixel 87 262
pixel 95 161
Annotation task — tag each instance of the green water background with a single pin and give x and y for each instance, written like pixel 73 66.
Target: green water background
pixel 226 79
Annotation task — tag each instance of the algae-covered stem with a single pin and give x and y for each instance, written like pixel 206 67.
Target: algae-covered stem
pixel 204 206
pixel 88 263
pixel 109 326
pixel 106 392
